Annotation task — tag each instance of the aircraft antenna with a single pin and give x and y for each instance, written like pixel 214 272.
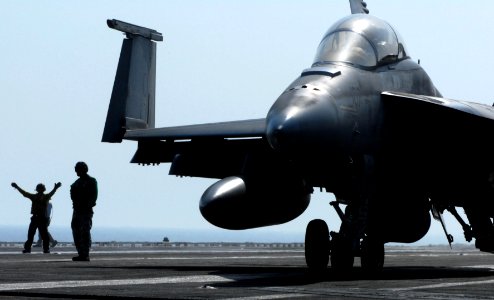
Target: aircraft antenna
pixel 358 7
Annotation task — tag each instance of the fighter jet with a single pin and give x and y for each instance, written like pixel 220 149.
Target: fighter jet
pixel 363 122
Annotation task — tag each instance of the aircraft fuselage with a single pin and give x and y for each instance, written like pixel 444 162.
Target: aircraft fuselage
pixel 335 112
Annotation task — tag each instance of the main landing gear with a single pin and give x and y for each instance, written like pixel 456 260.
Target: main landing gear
pixel 341 248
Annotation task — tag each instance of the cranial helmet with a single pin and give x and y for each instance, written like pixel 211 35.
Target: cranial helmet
pixel 40 188
pixel 81 166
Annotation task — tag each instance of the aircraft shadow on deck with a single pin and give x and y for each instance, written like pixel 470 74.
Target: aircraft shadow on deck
pixel 293 276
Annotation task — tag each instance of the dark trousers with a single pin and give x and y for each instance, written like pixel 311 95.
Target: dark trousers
pixel 39 222
pixel 81 231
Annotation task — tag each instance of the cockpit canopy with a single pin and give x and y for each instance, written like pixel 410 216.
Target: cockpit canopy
pixel 361 40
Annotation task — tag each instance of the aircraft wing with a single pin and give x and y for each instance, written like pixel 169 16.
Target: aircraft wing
pixel 470 108
pixel 450 143
pixel 214 150
pixel 417 122
pixel 450 139
pixel 255 128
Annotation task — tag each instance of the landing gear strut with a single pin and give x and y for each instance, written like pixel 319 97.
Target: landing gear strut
pixel 321 246
pixel 353 238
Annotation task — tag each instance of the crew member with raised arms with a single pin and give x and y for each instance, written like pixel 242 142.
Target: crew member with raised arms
pixel 38 210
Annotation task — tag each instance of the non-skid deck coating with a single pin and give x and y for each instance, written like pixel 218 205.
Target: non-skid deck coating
pixel 238 272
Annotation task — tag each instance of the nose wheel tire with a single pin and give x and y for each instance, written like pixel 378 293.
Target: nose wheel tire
pixel 317 245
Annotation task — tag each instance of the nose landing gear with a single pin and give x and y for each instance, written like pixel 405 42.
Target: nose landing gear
pixel 342 247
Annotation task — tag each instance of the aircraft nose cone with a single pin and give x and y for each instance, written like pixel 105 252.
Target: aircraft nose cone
pixel 301 124
pixel 283 128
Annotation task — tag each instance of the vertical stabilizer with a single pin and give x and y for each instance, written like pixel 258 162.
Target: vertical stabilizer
pixel 133 96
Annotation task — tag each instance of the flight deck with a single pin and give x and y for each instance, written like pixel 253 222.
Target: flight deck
pixel 238 271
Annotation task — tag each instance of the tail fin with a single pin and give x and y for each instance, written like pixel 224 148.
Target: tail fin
pixel 132 99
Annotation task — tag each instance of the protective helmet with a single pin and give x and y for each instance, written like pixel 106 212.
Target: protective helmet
pixel 40 188
pixel 82 167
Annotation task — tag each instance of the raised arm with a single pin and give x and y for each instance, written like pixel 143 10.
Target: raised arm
pixel 55 188
pixel 23 192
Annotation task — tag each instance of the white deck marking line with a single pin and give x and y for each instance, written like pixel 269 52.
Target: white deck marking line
pixel 480 267
pixel 207 257
pixel 99 251
pixel 137 281
pixel 441 285
pixel 451 284
pixel 54 258
pixel 97 258
pixel 267 297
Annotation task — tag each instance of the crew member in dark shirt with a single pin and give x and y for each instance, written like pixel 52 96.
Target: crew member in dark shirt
pixel 83 192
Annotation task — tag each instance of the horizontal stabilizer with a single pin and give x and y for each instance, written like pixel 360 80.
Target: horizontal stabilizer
pixel 133 97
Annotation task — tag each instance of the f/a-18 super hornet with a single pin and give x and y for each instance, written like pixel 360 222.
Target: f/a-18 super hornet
pixel 364 122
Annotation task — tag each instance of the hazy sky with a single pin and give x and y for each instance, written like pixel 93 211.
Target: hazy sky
pixel 220 60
